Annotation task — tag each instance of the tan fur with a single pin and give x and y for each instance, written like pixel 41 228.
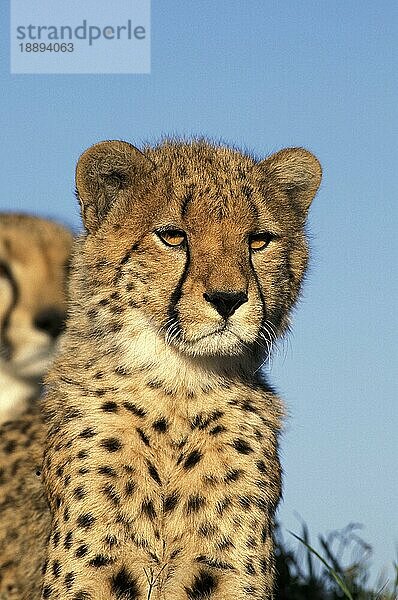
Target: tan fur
pixel 161 463
pixel 33 257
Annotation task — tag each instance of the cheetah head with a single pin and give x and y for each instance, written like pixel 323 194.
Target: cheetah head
pixel 34 254
pixel 201 243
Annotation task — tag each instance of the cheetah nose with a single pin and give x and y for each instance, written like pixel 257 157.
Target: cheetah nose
pixel 226 303
pixel 51 321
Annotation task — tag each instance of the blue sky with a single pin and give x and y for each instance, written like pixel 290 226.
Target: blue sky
pixel 266 75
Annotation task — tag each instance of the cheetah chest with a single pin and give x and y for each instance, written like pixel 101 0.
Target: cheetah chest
pixel 180 484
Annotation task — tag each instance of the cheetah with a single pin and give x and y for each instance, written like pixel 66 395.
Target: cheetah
pixel 33 260
pixel 160 476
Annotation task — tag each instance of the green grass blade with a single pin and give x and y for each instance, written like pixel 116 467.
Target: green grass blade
pixel 333 573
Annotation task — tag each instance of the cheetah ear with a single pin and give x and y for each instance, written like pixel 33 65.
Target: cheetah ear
pixel 297 172
pixel 102 172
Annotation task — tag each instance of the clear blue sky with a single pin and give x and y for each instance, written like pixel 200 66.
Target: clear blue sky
pixel 264 75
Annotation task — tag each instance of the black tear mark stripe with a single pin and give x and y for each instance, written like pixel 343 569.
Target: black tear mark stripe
pixel 259 289
pixel 172 312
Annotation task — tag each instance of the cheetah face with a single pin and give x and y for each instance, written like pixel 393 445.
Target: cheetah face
pixel 198 280
pixel 33 257
pixel 201 243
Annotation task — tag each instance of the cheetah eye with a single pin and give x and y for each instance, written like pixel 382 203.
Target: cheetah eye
pixel 172 237
pixel 259 241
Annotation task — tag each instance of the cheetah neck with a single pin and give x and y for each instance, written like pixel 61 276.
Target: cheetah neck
pixel 147 351
pixel 142 356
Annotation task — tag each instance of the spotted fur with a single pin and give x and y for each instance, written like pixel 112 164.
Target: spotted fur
pixel 161 467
